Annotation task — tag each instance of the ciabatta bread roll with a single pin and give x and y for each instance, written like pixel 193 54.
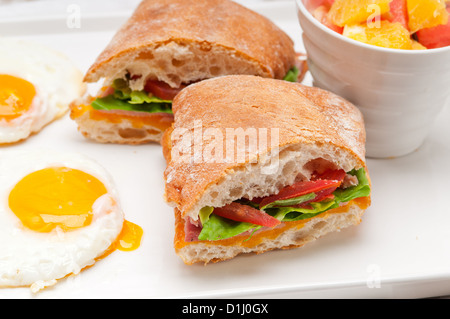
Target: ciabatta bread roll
pixel 165 46
pixel 255 164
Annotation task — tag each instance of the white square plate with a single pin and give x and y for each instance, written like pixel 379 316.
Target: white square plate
pixel 400 250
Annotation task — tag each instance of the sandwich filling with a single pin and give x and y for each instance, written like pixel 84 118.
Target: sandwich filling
pixel 156 97
pixel 304 199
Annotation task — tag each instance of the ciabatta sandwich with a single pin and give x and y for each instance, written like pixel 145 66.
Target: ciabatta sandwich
pixel 167 45
pixel 255 164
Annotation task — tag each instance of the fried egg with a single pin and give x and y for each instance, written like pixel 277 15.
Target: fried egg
pixel 59 213
pixel 37 85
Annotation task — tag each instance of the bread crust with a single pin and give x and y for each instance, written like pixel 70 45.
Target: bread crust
pixel 211 23
pixel 302 114
pixel 166 143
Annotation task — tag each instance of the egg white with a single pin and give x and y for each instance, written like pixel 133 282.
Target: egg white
pixel 56 79
pixel 30 258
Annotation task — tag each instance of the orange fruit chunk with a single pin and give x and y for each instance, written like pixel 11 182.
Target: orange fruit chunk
pixel 417 46
pixel 426 14
pixel 387 35
pixel 348 12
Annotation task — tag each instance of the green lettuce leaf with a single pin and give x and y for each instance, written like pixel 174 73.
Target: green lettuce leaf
pixel 109 103
pixel 362 189
pixel 137 97
pixel 291 201
pixel 292 74
pixel 204 214
pixel 217 228
pixel 290 214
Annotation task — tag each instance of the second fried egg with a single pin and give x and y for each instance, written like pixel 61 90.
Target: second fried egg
pixel 59 213
pixel 37 85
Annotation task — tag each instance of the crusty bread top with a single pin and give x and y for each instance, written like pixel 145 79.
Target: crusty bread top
pixel 303 115
pixel 209 23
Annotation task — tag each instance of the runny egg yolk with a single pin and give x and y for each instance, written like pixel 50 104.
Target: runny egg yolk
pixel 16 96
pixel 55 197
pixel 129 239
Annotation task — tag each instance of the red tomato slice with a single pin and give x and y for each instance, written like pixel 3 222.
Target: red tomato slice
pixel 436 37
pixel 247 214
pixel 162 90
pixel 300 189
pixel 332 178
pixel 336 175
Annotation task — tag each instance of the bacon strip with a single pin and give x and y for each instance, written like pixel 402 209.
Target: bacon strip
pixel 302 66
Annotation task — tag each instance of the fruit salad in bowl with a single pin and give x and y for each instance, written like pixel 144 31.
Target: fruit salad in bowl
pixel 396 24
pixel 391 58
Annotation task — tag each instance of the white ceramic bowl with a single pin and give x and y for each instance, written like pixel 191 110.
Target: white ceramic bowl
pixel 399 92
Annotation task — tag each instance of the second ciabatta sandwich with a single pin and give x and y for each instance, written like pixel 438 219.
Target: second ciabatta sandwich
pixel 255 164
pixel 165 46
